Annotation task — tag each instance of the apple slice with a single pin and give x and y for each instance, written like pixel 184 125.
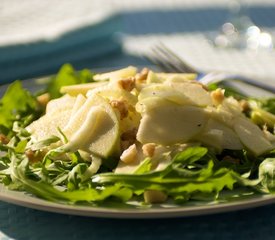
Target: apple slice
pixel 58 113
pixel 170 124
pixel 219 136
pixel 152 77
pixel 212 138
pixel 80 100
pixel 117 75
pixel 60 104
pixel 165 92
pixel 148 104
pixel 193 90
pixel 48 124
pixel 83 88
pixel 93 128
pixel 251 136
pixel 176 76
pixel 110 92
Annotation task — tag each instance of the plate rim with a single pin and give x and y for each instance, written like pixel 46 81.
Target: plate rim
pixel 23 199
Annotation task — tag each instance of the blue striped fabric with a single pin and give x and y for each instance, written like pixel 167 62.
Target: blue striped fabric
pixel 80 47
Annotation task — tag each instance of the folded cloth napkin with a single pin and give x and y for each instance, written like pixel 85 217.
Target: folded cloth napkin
pixel 78 36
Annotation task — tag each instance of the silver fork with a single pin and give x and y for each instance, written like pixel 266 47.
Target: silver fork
pixel 169 61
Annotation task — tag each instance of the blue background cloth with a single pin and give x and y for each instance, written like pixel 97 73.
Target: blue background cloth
pixel 104 51
pixel 97 46
pixel 77 47
pixel 27 224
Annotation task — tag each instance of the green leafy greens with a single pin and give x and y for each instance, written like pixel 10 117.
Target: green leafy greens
pixel 68 76
pixel 194 173
pixel 191 173
pixel 17 104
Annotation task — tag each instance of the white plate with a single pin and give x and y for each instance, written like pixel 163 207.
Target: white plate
pixel 131 210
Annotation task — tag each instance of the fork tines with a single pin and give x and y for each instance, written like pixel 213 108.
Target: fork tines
pixel 168 61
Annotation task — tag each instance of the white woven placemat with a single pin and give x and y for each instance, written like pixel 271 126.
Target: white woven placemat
pixel 196 49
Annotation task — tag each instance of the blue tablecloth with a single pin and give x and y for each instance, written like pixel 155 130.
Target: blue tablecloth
pixel 27 224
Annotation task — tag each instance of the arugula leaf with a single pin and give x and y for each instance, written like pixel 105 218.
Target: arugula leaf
pixel 144 167
pixel 267 104
pixel 191 172
pixel 17 104
pixel 44 143
pixel 67 75
pixel 180 179
pixel 238 160
pixel 262 112
pixel 267 175
pixel 48 191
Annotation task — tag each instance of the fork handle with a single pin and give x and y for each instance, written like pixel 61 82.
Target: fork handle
pixel 256 83
pixel 253 82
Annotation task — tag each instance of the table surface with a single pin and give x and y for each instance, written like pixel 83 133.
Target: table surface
pixel 181 23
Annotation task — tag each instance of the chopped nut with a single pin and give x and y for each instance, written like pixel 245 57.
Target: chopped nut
pixel 154 196
pixel 129 155
pixel 4 139
pixel 127 84
pixel 142 76
pixel 144 72
pixel 43 99
pixel 217 96
pixel 31 155
pixel 244 105
pixel 121 106
pixel 34 156
pixel 149 149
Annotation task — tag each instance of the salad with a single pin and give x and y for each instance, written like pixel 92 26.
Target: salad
pixel 135 135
